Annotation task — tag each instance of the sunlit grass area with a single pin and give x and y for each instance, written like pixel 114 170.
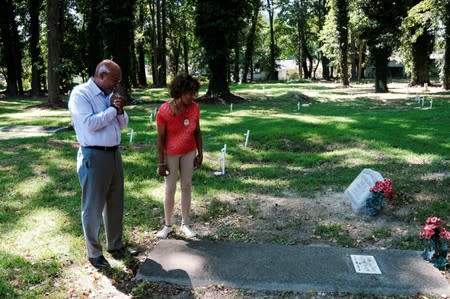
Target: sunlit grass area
pixel 290 150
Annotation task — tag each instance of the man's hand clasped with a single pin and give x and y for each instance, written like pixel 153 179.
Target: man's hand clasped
pixel 117 101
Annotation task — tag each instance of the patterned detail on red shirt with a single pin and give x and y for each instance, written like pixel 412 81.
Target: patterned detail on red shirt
pixel 180 128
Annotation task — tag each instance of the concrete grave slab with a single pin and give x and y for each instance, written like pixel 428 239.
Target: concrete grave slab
pixel 290 268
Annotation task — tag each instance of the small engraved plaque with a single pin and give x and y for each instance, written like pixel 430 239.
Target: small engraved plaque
pixel 365 264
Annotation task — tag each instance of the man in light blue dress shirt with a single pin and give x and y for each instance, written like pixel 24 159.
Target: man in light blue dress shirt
pixel 98 117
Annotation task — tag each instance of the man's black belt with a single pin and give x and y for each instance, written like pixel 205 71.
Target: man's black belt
pixel 103 148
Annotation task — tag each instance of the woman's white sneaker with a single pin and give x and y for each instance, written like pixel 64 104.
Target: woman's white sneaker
pixel 187 231
pixel 162 234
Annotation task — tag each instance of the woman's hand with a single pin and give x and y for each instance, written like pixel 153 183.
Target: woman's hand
pixel 198 161
pixel 163 170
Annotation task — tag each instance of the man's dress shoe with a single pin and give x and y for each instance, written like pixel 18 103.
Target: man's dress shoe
pixel 99 262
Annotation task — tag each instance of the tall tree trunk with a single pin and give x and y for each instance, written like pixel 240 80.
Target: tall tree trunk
pixel 154 43
pixel 216 31
pixel 133 71
pixel 8 24
pixel 218 84
pixel 361 49
pixel 142 79
pixel 301 50
pixel 186 54
pixel 252 70
pixel 236 63
pixel 420 60
pixel 12 48
pixel 55 9
pixel 117 23
pixel 381 69
pixel 250 46
pixel 342 28
pixel 322 12
pixel 35 50
pixel 163 49
pixel 354 65
pixel 158 38
pixel 159 41
pixel 160 46
pixel 94 37
pixel 272 70
pixel 174 57
pixel 325 68
pixel 446 68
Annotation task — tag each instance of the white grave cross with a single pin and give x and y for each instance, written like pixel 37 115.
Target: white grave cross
pixel 151 117
pixel 223 152
pixel 246 138
pixel 131 134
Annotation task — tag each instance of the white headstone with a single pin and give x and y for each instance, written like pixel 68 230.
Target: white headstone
pixel 358 191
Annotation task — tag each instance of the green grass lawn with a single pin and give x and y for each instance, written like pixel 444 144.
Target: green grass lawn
pixel 321 147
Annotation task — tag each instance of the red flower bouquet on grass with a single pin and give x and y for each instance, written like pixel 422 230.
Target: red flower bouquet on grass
pixel 379 192
pixel 433 234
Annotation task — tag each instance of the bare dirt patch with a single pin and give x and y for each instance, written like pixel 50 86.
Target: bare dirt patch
pixel 294 220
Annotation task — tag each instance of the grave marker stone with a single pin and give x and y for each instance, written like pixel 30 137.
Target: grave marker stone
pixel 358 191
pixel 365 264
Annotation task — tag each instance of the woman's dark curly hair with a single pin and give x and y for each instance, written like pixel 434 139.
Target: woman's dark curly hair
pixel 182 84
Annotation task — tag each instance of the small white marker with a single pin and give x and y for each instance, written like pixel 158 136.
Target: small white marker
pixel 246 138
pixel 222 161
pixel 131 134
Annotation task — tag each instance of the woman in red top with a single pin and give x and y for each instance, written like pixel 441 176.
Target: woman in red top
pixel 180 148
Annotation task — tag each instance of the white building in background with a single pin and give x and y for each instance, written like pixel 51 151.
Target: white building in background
pixel 287 69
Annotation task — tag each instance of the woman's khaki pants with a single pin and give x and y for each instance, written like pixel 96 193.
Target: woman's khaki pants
pixel 184 164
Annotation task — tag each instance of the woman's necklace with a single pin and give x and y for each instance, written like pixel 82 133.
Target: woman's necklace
pixel 184 113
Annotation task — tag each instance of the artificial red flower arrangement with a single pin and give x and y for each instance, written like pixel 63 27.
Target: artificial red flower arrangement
pixel 433 234
pixel 379 192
